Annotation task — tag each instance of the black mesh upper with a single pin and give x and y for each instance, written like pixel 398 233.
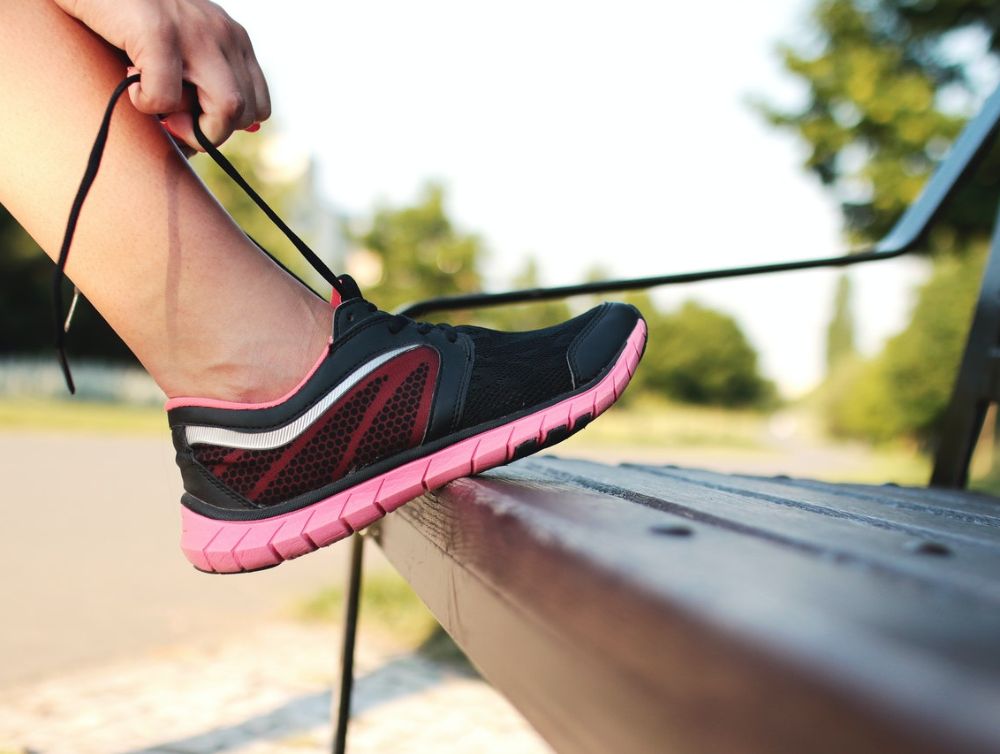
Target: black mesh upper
pixel 516 370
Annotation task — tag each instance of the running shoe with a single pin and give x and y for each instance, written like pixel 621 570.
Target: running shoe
pixel 393 409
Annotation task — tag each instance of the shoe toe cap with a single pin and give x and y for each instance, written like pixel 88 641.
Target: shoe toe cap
pixel 596 348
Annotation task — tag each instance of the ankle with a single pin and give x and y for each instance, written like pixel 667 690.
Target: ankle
pixel 261 368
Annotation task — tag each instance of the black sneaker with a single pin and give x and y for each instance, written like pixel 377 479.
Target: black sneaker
pixel 393 408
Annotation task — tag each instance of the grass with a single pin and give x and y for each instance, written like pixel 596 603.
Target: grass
pixel 392 609
pixel 387 604
pixel 39 415
pixel 899 465
pixel 649 422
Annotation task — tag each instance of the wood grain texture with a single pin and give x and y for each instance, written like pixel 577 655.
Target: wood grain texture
pixel 636 609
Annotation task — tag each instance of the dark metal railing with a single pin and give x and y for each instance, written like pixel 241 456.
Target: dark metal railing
pixel 905 236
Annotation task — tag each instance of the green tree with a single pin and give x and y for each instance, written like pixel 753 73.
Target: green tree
pixel 694 354
pixel 526 316
pixel 904 391
pixel 26 317
pixel 282 190
pixel 887 93
pixel 421 252
pixel 876 119
pixel 699 355
pixel 840 332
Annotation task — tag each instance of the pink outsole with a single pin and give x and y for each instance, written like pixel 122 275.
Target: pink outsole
pixel 237 546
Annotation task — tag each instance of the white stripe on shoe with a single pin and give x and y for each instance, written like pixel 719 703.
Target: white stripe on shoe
pixel 275 438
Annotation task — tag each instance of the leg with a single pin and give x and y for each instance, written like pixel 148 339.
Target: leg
pixel 395 407
pixel 205 312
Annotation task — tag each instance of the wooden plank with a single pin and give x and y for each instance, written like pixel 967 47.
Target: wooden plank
pixel 974 505
pixel 626 627
pixel 854 532
pixel 889 507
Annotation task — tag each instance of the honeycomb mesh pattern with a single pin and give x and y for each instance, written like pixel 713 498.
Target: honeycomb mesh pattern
pixel 514 371
pixel 383 415
pixel 322 453
pixel 392 429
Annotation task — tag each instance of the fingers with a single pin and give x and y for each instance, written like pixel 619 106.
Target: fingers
pixel 226 102
pixel 160 65
pixel 232 99
pixel 178 124
pixel 261 93
pixel 219 60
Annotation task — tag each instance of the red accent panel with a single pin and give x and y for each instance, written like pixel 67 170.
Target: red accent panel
pixel 384 414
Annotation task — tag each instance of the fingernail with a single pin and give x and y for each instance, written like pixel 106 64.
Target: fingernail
pixel 170 131
pixel 252 128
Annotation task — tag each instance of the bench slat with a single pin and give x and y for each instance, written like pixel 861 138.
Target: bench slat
pixel 890 503
pixel 855 532
pixel 611 632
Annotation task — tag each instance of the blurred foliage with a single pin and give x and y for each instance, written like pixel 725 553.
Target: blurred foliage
pixel 420 252
pixel 840 332
pixel 881 77
pixel 284 191
pixel 695 354
pixel 890 84
pixel 903 392
pixel 26 316
pixel 387 603
pixel 698 355
pixel 526 316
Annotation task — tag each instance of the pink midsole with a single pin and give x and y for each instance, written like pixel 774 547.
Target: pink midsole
pixel 233 546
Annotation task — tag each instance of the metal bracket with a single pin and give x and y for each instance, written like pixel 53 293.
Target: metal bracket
pixel 976 384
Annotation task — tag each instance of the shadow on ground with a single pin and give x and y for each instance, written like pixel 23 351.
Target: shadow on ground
pixel 435 661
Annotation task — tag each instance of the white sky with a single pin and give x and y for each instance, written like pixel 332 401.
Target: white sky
pixel 584 133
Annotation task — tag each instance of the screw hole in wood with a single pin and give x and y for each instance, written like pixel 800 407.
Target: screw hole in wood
pixel 934 549
pixel 676 530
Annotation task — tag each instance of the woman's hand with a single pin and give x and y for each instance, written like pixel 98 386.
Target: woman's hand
pixel 171 41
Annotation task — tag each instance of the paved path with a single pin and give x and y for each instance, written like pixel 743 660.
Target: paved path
pixel 110 642
pixel 264 691
pixel 90 567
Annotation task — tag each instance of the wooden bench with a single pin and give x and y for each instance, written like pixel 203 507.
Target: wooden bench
pixel 659 609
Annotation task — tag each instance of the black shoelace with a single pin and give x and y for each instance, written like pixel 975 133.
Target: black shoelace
pixel 342 284
pixel 399 321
